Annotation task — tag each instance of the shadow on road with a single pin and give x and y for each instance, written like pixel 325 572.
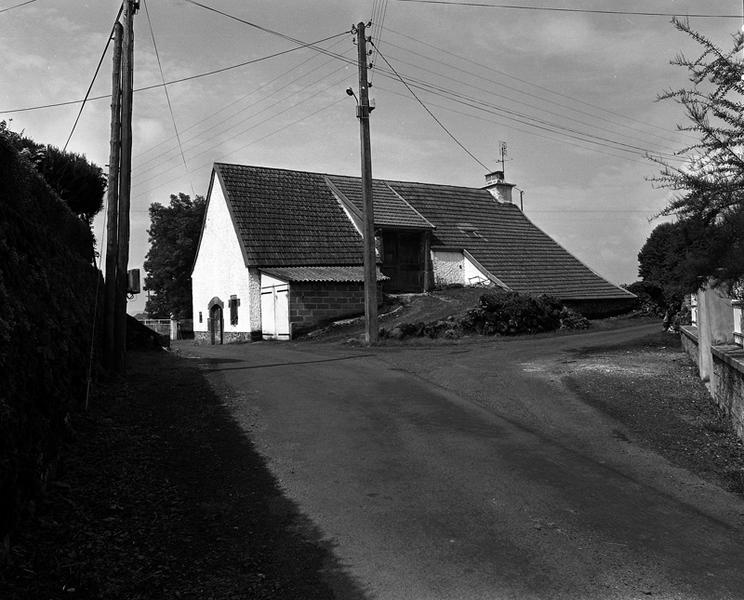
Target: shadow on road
pixel 212 362
pixel 165 497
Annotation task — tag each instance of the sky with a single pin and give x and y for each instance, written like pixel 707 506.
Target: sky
pixel 572 94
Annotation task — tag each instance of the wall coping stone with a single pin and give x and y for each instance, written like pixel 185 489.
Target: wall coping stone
pixel 690 331
pixel 731 354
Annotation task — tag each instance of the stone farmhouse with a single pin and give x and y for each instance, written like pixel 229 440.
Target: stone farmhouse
pixel 280 251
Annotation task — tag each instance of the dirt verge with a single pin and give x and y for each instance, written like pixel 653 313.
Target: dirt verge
pixel 652 389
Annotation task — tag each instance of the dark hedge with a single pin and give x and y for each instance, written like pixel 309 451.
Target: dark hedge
pixel 47 295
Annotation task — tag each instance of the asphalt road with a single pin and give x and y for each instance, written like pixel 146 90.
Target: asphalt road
pixel 468 471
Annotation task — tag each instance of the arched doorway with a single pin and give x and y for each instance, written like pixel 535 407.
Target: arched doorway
pixel 215 324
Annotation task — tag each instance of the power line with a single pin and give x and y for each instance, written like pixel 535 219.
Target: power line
pixel 537 122
pixel 574 10
pixel 234 102
pixel 301 101
pixel 562 140
pixel 431 114
pixel 165 89
pixel 569 107
pixel 189 77
pixel 155 164
pixel 95 75
pixel 2 10
pixel 511 99
pixel 524 81
pixel 378 20
pixel 514 115
pixel 274 132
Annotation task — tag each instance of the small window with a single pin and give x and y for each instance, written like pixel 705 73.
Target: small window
pixel 234 303
pixel 201 320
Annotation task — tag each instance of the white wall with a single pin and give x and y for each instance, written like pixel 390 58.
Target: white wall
pixel 715 327
pixel 220 270
pixel 472 274
pixel 448 268
pixel 454 267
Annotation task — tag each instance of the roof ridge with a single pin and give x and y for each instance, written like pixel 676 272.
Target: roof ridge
pixel 383 180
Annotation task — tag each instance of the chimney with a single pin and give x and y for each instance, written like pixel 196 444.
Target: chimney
pixel 499 189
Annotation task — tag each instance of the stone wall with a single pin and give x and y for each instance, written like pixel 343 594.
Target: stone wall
pixel 313 304
pixel 689 337
pixel 725 380
pixel 727 384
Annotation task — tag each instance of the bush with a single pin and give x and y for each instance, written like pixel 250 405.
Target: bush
pixel 498 313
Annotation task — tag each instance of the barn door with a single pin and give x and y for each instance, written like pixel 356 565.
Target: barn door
pixel 275 312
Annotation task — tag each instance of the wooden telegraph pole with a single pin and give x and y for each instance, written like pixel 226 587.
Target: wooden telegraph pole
pixel 112 213
pixel 370 268
pixel 124 165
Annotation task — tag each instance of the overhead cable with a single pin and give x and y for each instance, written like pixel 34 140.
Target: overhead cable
pixel 570 106
pixel 2 10
pixel 575 10
pixel 254 91
pixel 431 114
pixel 187 78
pixel 165 88
pixel 95 75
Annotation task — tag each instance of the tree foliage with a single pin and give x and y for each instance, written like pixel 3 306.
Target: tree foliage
pixel 174 237
pixel 709 188
pixel 80 183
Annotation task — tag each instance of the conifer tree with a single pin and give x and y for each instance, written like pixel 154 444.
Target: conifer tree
pixel 709 186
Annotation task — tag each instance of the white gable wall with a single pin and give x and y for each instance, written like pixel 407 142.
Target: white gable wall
pixel 220 272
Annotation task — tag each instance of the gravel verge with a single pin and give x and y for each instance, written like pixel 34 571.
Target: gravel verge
pixel 651 388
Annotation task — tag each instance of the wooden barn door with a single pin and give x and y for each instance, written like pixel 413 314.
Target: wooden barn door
pixel 403 261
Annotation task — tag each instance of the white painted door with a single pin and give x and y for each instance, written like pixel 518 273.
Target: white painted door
pixel 275 312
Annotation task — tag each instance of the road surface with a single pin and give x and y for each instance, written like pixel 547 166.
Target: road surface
pixel 467 471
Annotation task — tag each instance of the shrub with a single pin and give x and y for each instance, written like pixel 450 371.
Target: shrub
pixel 498 313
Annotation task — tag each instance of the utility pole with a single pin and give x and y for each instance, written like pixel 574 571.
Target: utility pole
pixel 112 220
pixel 125 180
pixel 368 233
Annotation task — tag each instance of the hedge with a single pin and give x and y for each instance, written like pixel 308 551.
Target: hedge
pixel 47 294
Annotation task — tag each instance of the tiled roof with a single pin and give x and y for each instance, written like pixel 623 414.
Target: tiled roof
pixel 504 241
pixel 292 219
pixel 288 218
pixel 390 209
pixel 296 274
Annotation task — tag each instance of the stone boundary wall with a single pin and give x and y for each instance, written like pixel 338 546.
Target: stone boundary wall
pixel 689 337
pixel 728 383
